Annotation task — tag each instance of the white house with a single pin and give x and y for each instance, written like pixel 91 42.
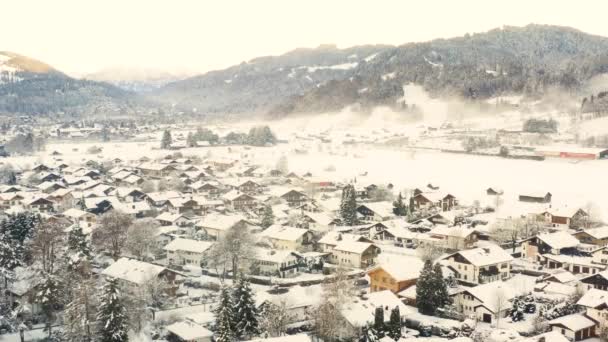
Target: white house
pixel 187 251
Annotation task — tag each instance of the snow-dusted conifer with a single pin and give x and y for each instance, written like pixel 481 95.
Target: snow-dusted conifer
pixel 245 311
pixel 112 315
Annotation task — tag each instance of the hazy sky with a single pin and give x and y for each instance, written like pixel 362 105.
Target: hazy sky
pixel 79 36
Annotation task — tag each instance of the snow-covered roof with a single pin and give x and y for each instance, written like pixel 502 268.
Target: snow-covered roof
pixel 353 246
pixel 483 256
pixel 494 295
pixel 360 312
pixel 75 213
pixel 188 245
pixel 598 233
pixel 594 298
pixel 272 255
pixel 133 271
pixel 333 238
pixel 574 322
pixel 400 267
pixel 443 230
pixel 220 222
pixel 278 232
pixel 559 240
pixel 384 208
pixel 189 331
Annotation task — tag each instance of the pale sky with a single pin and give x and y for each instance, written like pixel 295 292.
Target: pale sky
pixel 81 36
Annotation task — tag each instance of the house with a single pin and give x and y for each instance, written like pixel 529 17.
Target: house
pixel 395 277
pixel 187 251
pixel 330 240
pixel 285 338
pixel 187 331
pixel 209 189
pixel 359 312
pixel 480 265
pixel 493 191
pixel 216 225
pixel 355 254
pixel 575 327
pixel 595 303
pixel 239 201
pixel 39 204
pixel 287 238
pixel 596 281
pixel 455 238
pixel 80 217
pixel 376 211
pixel 564 217
pixel 156 170
pixel 594 236
pixel 486 302
pixel 169 219
pixel 574 263
pixel 295 198
pixel 548 243
pixel 535 197
pixel 278 263
pixel 132 275
pixel 445 202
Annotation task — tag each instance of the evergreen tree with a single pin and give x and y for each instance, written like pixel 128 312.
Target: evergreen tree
pixel 190 140
pixel 245 311
pixel 441 295
pixel 412 206
pixel 79 248
pixel 112 314
pixel 368 334
pixel 348 206
pixel 166 141
pixel 424 290
pixel 267 217
pixel 49 297
pixel 394 325
pixel 399 207
pixel 225 317
pixel 28 142
pixel 379 322
pixel 105 133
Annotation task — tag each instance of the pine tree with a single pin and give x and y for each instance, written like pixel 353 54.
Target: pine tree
pixel 348 206
pixel 112 314
pixel 267 217
pixel 225 317
pixel 49 297
pixel 79 248
pixel 191 140
pixel 379 326
pixel 245 311
pixel 441 295
pixel 399 207
pixel 368 334
pixel 394 325
pixel 424 290
pixel 412 206
pixel 166 141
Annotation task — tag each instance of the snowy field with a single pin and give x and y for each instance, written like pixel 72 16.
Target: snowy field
pixel 466 176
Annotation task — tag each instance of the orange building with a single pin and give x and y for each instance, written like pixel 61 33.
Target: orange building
pixel 393 277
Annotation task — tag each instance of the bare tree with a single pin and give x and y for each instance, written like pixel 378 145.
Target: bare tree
pixel 111 232
pixel 274 319
pixel 430 251
pixel 79 315
pixel 141 238
pixel 501 302
pixel 328 324
pixel 231 251
pixel 49 240
pixel 514 229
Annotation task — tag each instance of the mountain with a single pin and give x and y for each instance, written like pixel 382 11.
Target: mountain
pixel 257 85
pixel 137 79
pixel 526 60
pixel 31 87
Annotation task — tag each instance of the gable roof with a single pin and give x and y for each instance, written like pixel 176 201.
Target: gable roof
pixel 286 233
pixel 559 240
pixel 133 271
pixel 188 245
pixel 483 256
